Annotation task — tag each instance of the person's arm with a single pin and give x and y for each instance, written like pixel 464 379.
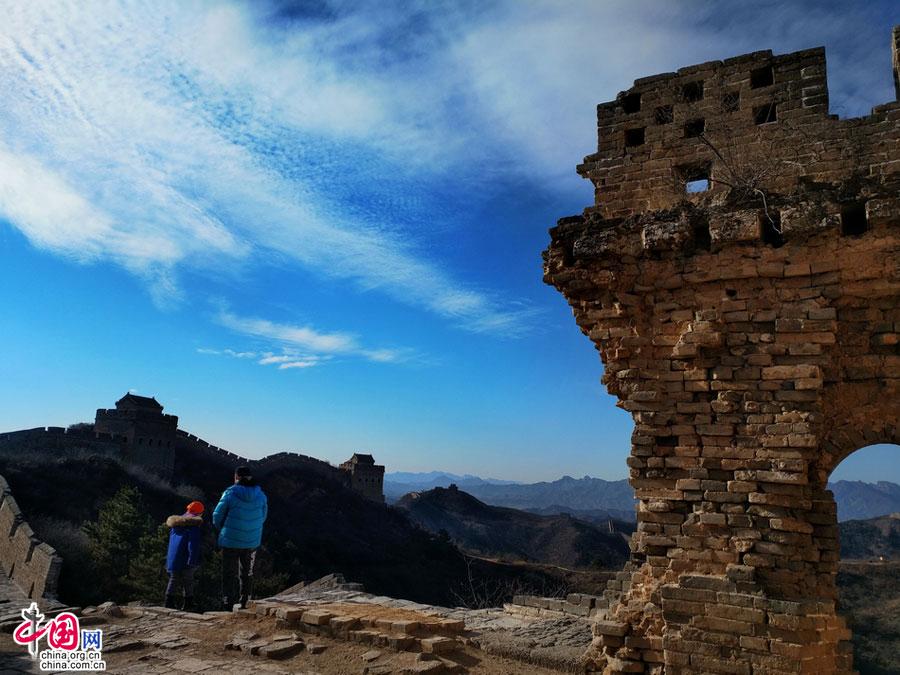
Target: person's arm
pixel 265 507
pixel 194 546
pixel 221 511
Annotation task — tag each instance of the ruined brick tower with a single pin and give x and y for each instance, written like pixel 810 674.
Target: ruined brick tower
pixel 740 276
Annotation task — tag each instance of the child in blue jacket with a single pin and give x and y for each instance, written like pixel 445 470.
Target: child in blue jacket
pixel 183 559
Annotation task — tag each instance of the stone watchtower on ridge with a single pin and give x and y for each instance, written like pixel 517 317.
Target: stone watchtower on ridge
pixel 740 275
pixel 149 436
pixel 366 477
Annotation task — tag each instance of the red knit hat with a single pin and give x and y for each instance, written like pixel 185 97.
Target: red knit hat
pixel 196 508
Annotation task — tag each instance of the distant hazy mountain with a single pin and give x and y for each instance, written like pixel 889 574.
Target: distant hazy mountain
pixel 507 533
pixel 857 500
pixel 430 476
pixel 599 517
pixel 872 538
pixel 398 483
pixel 595 499
pixel 566 494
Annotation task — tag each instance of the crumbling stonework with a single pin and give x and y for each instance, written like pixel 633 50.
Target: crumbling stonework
pixel 740 276
pixel 30 563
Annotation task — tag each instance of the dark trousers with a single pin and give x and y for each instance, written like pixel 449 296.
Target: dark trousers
pixel 237 575
pixel 181 579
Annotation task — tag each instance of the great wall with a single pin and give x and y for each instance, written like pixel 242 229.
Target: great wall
pixel 138 432
pixel 739 274
pixel 30 564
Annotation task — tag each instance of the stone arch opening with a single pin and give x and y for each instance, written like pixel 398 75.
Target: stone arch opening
pixel 868 519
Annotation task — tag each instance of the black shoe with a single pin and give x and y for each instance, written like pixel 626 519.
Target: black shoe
pixel 170 602
pixel 244 601
pixel 188 605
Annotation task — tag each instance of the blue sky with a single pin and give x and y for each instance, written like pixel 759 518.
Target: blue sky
pixel 317 226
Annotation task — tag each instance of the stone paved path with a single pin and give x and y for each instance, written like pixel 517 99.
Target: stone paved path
pixel 271 638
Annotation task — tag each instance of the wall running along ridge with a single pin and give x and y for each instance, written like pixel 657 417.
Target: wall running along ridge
pixel 751 330
pixel 33 565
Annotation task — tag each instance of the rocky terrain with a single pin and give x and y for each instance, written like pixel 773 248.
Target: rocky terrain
pixel 869 597
pixel 326 628
pixel 872 538
pixel 517 535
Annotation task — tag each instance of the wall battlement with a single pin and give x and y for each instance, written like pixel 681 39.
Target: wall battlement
pixel 760 119
pixel 32 564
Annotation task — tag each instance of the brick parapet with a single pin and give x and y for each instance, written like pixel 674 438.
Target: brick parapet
pixel 645 156
pixel 751 365
pixel 32 564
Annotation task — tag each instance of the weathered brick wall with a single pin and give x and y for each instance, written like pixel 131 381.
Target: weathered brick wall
pixel 752 332
pixel 33 565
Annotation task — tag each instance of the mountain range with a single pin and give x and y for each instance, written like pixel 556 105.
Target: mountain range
pixel 515 535
pixel 595 499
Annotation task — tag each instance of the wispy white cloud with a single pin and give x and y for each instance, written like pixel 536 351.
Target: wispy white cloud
pixel 167 136
pixel 303 346
pixel 134 136
pixel 286 360
pixel 298 336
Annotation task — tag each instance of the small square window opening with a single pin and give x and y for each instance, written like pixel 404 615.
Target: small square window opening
pixel 695 178
pixel 731 102
pixel 853 219
pixel 762 77
pixel 694 128
pixel 695 186
pixel 664 114
pixel 765 114
pixel 770 228
pixel 631 103
pixel 634 137
pixel 692 91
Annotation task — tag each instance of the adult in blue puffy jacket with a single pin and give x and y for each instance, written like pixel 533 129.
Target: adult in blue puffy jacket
pixel 184 555
pixel 239 518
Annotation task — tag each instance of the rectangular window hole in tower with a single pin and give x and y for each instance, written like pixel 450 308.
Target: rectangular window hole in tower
pixel 692 91
pixel 694 128
pixel 664 114
pixel 762 77
pixel 770 228
pixel 696 177
pixel 765 113
pixel 702 237
pixel 667 441
pixel 853 219
pixel 634 137
pixel 694 186
pixel 731 102
pixel 631 103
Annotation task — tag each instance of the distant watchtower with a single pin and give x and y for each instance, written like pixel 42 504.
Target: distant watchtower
pixel 148 434
pixel 366 477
